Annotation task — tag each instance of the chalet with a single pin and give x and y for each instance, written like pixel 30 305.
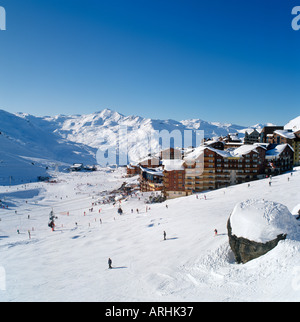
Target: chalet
pixel 232 141
pixel 151 179
pixel 133 169
pixel 279 158
pixel 90 168
pixel 287 137
pixel 216 144
pixel 251 137
pixel 76 167
pixel 266 131
pixel 282 137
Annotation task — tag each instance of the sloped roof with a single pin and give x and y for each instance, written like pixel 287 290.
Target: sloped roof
pixel 173 165
pixel 286 134
pixel 275 153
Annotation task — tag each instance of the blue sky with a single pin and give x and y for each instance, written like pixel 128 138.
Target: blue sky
pixel 228 61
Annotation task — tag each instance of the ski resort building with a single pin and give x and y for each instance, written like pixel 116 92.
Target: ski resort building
pixel 207 168
pixel 251 137
pixel 173 178
pixel 296 147
pixel 280 158
pixel 287 137
pixel 151 179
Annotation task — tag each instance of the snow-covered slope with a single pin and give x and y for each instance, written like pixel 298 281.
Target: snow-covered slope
pixel 28 145
pixel 70 264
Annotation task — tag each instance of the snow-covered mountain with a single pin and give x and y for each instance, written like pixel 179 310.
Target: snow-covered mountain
pixel 100 130
pixel 68 139
pixel 29 147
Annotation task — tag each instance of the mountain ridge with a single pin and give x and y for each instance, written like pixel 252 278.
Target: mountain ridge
pixel 67 139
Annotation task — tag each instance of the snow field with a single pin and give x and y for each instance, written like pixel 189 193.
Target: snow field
pixel 70 264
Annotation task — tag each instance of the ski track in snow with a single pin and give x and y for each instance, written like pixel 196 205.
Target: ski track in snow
pixel 70 264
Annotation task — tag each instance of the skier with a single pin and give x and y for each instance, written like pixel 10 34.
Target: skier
pixel 165 235
pixel 216 232
pixel 109 263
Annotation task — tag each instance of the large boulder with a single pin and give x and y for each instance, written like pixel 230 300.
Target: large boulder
pixel 256 226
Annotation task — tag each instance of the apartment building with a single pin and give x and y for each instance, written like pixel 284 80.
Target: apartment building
pixel 207 168
pixel 287 137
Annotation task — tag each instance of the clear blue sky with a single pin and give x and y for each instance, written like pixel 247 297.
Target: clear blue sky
pixel 229 61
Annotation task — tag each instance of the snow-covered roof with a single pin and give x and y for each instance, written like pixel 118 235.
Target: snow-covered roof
pixel 251 131
pixel 222 153
pixel 191 156
pixel 77 165
pixel 238 152
pixel 244 149
pixel 275 153
pixel 146 159
pixel 173 165
pixel 156 171
pixel 286 134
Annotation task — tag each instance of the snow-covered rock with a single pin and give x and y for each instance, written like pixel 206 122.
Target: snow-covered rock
pixel 262 221
pixel 256 226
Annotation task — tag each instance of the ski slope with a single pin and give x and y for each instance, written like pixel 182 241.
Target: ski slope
pixel 70 264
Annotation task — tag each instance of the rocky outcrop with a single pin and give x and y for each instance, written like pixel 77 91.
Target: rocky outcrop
pixel 245 250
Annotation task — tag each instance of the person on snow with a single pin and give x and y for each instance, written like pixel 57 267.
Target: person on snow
pixel 216 232
pixel 109 263
pixel 165 235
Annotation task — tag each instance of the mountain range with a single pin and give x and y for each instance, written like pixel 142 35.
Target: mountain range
pixel 31 145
